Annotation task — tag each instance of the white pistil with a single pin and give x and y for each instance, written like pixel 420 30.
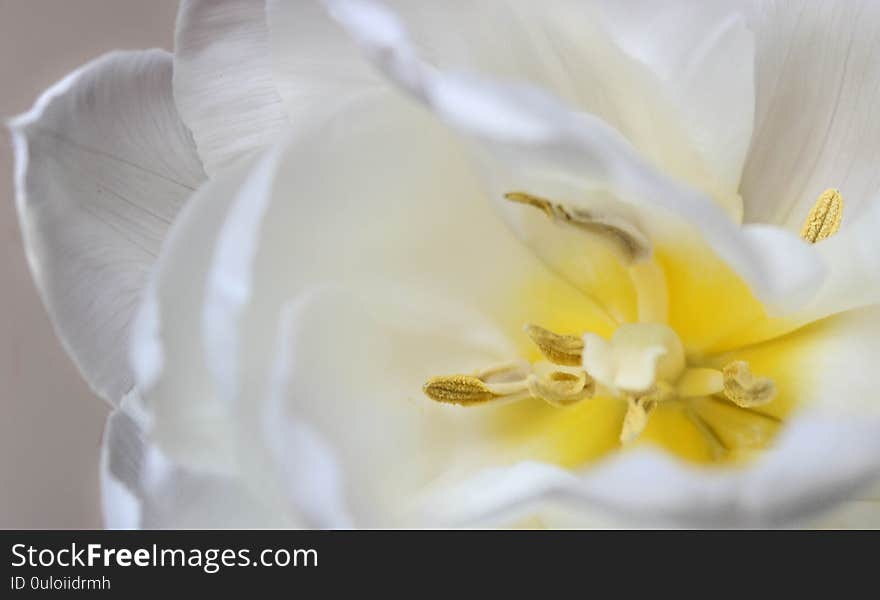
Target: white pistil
pixel 635 358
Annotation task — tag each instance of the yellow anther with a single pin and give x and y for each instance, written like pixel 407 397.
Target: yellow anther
pixel 559 349
pixel 744 389
pixel 636 419
pixel 465 390
pixel 541 204
pixel 560 388
pixel 639 407
pixel 824 218
pixel 631 244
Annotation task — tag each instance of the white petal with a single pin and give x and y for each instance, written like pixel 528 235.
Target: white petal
pixel 817 123
pixel 103 164
pixel 316 68
pixel 142 489
pixel 223 80
pixel 350 381
pixel 407 195
pixel 542 143
pixel 386 231
pixel 820 459
pixel 830 363
pixel 166 350
pixel 705 55
pixel 311 477
pixel 565 50
pixel 122 463
pixel 853 258
pixel 857 514
pixel 179 498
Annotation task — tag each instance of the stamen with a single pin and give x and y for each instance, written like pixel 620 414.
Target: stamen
pixel 634 246
pixel 510 382
pixel 640 407
pixel 744 389
pixel 559 349
pixel 542 204
pixel 560 388
pixel 465 390
pixel 509 372
pixel 636 419
pixel 824 218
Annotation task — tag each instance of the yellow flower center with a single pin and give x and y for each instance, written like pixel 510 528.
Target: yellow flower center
pixel 681 383
pixel 643 364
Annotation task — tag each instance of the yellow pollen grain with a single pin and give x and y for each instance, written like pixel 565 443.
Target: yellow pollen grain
pixel 458 389
pixel 824 218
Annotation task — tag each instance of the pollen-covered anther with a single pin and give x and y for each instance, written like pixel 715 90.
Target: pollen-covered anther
pixel 824 218
pixel 632 244
pixel 504 382
pixel 555 384
pixel 562 388
pixel 744 389
pixel 558 349
pixel 639 408
pixel 458 389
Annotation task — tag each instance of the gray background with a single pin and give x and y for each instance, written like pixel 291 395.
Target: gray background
pixel 50 423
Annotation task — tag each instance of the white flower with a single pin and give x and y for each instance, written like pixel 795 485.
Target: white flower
pixel 362 242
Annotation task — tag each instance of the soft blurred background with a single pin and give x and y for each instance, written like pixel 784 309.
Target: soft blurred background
pixel 50 423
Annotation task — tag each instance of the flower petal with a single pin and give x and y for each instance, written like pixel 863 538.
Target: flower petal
pixel 384 232
pixel 547 146
pixel 853 256
pixel 705 55
pixel 223 81
pixel 853 260
pixel 565 51
pixel 122 460
pixel 817 124
pixel 829 364
pixel 316 67
pixel 820 460
pixel 407 195
pixel 369 428
pixel 378 434
pixel 142 489
pixel 166 353
pixel 103 164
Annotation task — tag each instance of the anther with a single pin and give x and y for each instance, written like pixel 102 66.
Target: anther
pixel 465 390
pixel 744 389
pixel 632 244
pixel 559 349
pixel 824 218
pixel 560 388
